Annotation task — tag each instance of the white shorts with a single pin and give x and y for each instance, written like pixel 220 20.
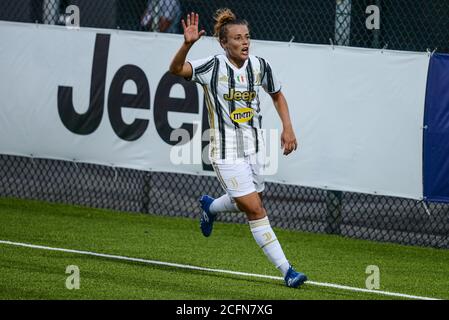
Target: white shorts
pixel 243 176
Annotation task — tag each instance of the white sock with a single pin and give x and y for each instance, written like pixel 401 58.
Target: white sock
pixel 267 241
pixel 223 204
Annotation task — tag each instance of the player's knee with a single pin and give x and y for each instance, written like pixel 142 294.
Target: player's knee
pixel 255 211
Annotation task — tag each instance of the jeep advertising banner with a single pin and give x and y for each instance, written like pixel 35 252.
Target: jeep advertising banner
pixel 106 97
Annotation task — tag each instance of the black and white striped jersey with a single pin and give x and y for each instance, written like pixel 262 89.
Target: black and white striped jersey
pixel 232 99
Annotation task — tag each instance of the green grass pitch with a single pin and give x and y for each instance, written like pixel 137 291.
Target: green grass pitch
pixel 27 273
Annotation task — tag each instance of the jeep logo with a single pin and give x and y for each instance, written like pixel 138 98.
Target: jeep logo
pixel 247 96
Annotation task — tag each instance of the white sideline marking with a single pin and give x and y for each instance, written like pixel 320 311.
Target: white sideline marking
pixel 185 266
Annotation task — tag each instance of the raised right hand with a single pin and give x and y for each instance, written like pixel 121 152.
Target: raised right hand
pixel 191 34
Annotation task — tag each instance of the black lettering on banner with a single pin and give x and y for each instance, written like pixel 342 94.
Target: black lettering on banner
pixel 163 104
pixel 89 121
pixel 205 142
pixel 117 100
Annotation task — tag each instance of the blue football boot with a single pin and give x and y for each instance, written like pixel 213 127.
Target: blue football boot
pixel 207 218
pixel 294 279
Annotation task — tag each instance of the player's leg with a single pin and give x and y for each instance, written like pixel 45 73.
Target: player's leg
pixel 265 237
pixel 261 229
pixel 229 176
pixel 244 184
pixel 211 207
pixel 224 204
pixel 252 205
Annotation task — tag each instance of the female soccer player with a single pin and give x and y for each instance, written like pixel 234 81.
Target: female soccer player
pixel 231 84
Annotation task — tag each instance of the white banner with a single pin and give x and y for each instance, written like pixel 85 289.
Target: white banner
pixel 358 113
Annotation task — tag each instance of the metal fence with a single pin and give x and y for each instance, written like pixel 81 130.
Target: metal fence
pixel 290 207
pixel 414 25
pixel 404 25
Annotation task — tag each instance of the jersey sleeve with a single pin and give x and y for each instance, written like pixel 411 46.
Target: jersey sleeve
pixel 202 70
pixel 270 82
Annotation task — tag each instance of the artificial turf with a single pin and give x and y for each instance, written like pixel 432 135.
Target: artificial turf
pixel 27 273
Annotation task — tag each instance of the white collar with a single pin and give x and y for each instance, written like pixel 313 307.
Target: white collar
pixel 233 66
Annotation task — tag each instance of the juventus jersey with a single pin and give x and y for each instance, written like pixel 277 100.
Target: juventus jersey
pixel 232 99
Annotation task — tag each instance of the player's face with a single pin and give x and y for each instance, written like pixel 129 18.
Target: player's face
pixel 237 44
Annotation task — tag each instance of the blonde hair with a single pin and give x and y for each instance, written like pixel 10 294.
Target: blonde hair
pixel 224 17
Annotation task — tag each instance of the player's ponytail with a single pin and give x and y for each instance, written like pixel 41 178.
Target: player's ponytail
pixel 224 17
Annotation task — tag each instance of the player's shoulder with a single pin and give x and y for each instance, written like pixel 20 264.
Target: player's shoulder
pixel 217 58
pixel 220 57
pixel 204 59
pixel 258 60
pixel 254 57
pixel 202 65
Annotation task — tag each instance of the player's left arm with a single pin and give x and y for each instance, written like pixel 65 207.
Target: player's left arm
pixel 288 138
